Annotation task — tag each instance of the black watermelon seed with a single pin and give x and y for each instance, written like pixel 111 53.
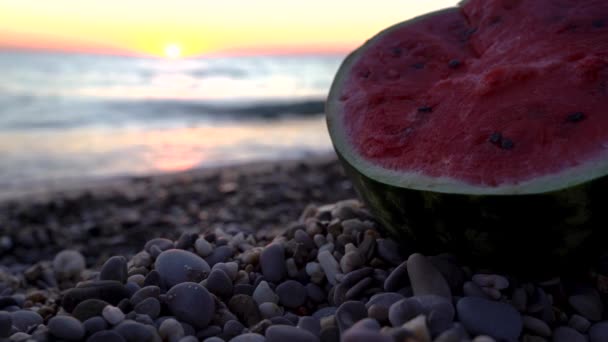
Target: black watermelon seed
pixel 396 52
pixel 575 117
pixel 418 65
pixel 598 23
pixel 506 144
pixel 425 109
pixel 454 63
pixel 495 138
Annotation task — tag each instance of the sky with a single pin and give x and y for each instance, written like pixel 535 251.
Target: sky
pixel 174 28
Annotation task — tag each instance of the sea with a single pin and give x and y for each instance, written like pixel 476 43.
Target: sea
pixel 77 117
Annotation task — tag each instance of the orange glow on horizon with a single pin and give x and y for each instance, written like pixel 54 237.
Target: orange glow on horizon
pixel 200 26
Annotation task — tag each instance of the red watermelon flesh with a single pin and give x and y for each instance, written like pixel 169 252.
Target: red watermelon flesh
pixel 489 94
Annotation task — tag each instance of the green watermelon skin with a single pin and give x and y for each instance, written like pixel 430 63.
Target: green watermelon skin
pixel 532 233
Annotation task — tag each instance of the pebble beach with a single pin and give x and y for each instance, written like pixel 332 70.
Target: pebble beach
pixel 280 251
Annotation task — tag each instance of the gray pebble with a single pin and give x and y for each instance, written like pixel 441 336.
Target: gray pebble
pixel 178 266
pixel 6 323
pixel 106 336
pixel 248 337
pixel 385 299
pixel 281 321
pixel 272 262
pixel 219 283
pixel 191 303
pixel 203 247
pixel 108 290
pixel 269 310
pixel 213 339
pixel 282 333
pixel 325 312
pixel 89 308
pixel 353 277
pixel 425 278
pixel 149 306
pixel 471 289
pixel 246 309
pixel 438 310
pixel 264 294
pixel 23 320
pixel 95 324
pixel 189 338
pixel 599 332
pixel 112 315
pixel 479 316
pixel 291 294
pixel 588 305
pixel 366 330
pixel 66 327
pixel 536 326
pixel 397 279
pixel 351 261
pixel 162 244
pixel 567 334
pixel 219 254
pixel 145 292
pixel 68 264
pixel 349 313
pixel 114 268
pixel 171 330
pixel 135 332
pixel 311 324
pixel 152 279
pixel 233 328
pixel 580 323
pixel 378 312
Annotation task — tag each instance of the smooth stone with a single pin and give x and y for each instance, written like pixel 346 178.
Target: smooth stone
pixel 203 247
pixel 325 312
pixel 390 251
pixel 145 292
pixel 6 322
pixel 425 278
pixel 491 280
pixel 351 261
pixel 302 237
pixel 219 283
pixel 106 336
pixel 136 332
pixel 189 338
pixel 272 262
pixel 364 331
pixel 418 327
pixel 66 327
pixel 213 339
pixel 330 266
pixel 219 254
pixel 536 326
pixel 349 313
pixel 385 299
pixel 246 309
pixel 115 268
pixel 567 334
pixel 23 320
pixel 162 244
pixel 68 264
pixel 353 277
pixel 95 324
pixel 580 323
pixel 191 303
pixel 479 316
pixel 358 288
pixel 264 294
pixel 291 294
pixel 471 289
pixel 281 321
pixel 170 329
pixel 378 312
pixel 89 308
pixel 177 266
pixel 599 332
pixel 152 279
pixel 397 279
pixel 112 315
pixel 315 293
pixel 233 328
pixel 248 337
pixel 245 289
pixel 311 324
pixel 454 334
pixel 269 310
pixel 588 305
pixel 438 310
pixel 282 333
pixel 452 272
pixel 110 291
pixel 149 306
pixel 230 268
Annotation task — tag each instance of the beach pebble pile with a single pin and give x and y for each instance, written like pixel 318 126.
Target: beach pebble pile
pixel 332 275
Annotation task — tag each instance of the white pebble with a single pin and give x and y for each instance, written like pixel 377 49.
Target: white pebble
pixel 68 264
pixel 203 247
pixel 329 265
pixel 314 270
pixel 113 315
pixel 417 325
pixel 171 330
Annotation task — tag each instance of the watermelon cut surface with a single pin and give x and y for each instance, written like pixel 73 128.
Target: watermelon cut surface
pixel 482 128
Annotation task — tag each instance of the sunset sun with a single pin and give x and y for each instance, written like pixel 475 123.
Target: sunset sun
pixel 173 51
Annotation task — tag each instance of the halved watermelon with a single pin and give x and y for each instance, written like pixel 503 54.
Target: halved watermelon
pixel 483 130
